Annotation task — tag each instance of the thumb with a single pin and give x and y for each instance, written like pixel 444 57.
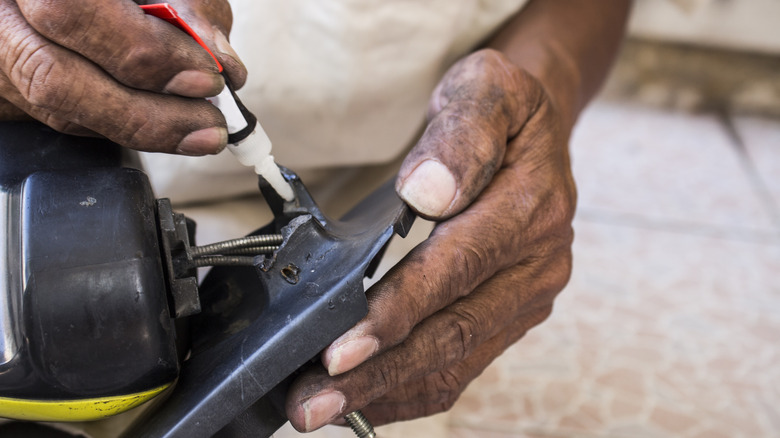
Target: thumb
pixel 481 102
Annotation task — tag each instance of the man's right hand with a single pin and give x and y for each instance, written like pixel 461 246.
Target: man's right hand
pixel 103 67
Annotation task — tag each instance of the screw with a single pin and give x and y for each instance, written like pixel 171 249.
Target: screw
pixel 360 425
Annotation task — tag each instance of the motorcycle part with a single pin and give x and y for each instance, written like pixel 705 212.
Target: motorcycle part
pixel 259 324
pixel 85 330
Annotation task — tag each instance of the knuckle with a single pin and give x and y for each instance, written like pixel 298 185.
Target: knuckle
pixel 511 77
pixel 474 265
pixel 62 125
pixel 553 276
pixel 473 128
pixel 491 58
pixel 65 24
pixel 465 326
pixel 537 317
pixel 561 214
pixel 386 380
pixel 39 80
pixel 47 16
pixel 562 270
pixel 134 65
pixel 388 311
pixel 159 123
pixel 135 131
pixel 449 386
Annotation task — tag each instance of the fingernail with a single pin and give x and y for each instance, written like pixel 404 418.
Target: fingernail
pixel 203 142
pixel 223 45
pixel 194 83
pixel 351 354
pixel 322 409
pixel 430 189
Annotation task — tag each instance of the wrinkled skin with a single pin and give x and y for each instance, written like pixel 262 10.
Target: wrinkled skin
pixel 492 169
pixel 103 67
pixel 486 275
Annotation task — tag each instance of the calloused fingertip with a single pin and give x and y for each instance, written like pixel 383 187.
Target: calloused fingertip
pixel 349 354
pixel 195 83
pixel 322 409
pixel 203 142
pixel 430 189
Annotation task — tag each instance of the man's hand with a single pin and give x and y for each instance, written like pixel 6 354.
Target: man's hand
pixel 494 160
pixel 493 168
pixel 103 67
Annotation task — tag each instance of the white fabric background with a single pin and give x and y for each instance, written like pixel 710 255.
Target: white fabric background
pixel 334 82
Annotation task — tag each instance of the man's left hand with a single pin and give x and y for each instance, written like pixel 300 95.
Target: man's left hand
pixel 493 168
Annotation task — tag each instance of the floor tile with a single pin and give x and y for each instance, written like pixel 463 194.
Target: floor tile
pixel 464 432
pixel 436 426
pixel 678 170
pixel 761 138
pixel 657 335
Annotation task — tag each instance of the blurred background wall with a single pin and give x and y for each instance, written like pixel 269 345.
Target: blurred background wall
pixel 702 55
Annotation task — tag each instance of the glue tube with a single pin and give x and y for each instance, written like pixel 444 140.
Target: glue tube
pixel 248 141
pixel 246 138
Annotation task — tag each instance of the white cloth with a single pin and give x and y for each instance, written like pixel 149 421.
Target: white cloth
pixel 335 82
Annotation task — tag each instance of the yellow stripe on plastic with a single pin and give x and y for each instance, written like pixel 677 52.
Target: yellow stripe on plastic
pixel 73 410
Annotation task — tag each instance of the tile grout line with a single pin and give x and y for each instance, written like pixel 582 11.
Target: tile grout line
pixel 749 167
pixel 630 220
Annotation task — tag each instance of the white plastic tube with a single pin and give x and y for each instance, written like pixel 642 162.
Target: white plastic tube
pixel 251 147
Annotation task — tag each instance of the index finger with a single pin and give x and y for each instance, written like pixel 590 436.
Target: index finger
pixel 137 50
pixel 461 254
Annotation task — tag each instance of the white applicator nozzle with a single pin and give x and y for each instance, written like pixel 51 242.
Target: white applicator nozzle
pixel 248 141
pixel 255 151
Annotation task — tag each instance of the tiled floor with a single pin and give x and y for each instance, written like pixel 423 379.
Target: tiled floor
pixel 669 326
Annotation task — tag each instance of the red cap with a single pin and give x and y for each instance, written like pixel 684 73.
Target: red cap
pixel 167 13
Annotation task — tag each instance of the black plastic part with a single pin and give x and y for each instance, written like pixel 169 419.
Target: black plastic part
pixel 84 278
pixel 29 147
pixel 95 296
pixel 251 120
pixel 258 326
pixel 182 279
pixel 263 418
pixel 90 290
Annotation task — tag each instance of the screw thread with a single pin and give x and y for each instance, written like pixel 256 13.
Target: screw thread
pixel 360 425
pixel 243 242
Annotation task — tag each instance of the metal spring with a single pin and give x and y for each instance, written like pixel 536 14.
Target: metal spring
pixel 222 261
pixel 230 245
pixel 252 250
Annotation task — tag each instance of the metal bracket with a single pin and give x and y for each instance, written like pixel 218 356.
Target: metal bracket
pixel 260 324
pixel 175 243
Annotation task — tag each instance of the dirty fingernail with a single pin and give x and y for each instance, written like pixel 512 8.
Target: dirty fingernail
pixel 430 189
pixel 203 142
pixel 223 45
pixel 194 83
pixel 351 354
pixel 322 409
